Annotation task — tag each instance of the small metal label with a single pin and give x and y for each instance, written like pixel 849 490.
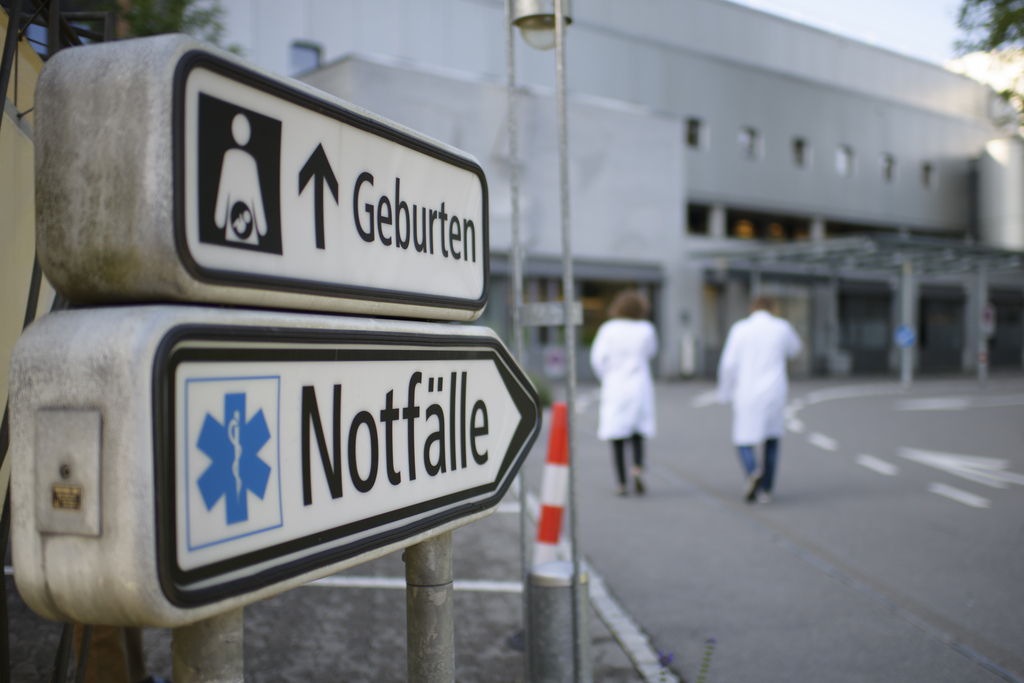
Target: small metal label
pixel 67 497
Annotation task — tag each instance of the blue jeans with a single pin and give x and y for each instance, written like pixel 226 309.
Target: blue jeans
pixel 771 456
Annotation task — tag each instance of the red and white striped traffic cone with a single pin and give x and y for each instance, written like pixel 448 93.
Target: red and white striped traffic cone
pixel 554 488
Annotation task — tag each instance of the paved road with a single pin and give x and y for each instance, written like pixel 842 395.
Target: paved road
pixel 889 554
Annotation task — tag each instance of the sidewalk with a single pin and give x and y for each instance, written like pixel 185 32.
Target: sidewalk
pixel 354 630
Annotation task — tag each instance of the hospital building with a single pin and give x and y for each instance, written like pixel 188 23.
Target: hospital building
pixel 716 152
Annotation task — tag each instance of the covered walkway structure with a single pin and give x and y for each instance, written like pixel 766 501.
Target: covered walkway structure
pixel 904 261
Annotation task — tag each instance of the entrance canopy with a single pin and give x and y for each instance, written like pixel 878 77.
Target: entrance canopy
pixel 883 252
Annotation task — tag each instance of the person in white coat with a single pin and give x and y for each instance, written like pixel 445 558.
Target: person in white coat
pixel 621 357
pixel 752 376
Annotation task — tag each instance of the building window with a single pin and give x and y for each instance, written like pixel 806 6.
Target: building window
pixel 844 160
pixel 697 219
pixel 776 231
pixel 304 57
pixel 750 143
pixel 744 229
pixel 695 133
pixel 888 168
pixel 928 175
pixel 801 152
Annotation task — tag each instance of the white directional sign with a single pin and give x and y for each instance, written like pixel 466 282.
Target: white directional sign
pixel 244 453
pixel 238 186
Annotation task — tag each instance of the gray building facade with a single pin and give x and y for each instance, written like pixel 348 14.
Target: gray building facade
pixel 695 126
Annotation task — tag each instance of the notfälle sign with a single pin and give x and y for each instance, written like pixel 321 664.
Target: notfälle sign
pixel 185 174
pixel 217 457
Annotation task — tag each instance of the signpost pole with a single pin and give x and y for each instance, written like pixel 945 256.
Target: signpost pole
pixel 983 330
pixel 579 631
pixel 517 300
pixel 429 599
pixel 906 315
pixel 209 651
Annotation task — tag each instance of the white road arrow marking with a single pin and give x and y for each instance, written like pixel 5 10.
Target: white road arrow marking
pixel 821 441
pixel 988 471
pixel 959 495
pixel 878 465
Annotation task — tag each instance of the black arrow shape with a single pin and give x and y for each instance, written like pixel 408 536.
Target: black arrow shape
pixel 320 167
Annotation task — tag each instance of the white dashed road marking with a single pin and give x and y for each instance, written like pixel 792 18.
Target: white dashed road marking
pixel 821 441
pixel 878 465
pixel 959 495
pixel 795 425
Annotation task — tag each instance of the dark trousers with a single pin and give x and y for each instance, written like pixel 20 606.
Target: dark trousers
pixel 619 452
pixel 771 457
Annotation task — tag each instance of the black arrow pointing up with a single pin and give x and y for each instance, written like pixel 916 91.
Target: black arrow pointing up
pixel 318 166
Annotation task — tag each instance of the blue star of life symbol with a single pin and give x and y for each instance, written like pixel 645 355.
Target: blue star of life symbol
pixel 236 467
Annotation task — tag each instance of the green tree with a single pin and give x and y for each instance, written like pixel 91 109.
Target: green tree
pixel 994 30
pixel 991 25
pixel 203 19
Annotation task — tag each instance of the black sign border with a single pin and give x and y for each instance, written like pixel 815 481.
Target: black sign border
pixel 198 58
pixel 174 581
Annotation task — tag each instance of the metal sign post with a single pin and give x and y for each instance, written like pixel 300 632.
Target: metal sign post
pixel 209 651
pixel 580 630
pixel 430 610
pixel 517 302
pixel 907 322
pixel 986 322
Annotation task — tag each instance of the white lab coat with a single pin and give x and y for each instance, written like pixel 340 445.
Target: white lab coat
pixel 621 356
pixel 752 375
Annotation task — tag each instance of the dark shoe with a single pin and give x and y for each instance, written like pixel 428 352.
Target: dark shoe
pixel 750 490
pixel 638 484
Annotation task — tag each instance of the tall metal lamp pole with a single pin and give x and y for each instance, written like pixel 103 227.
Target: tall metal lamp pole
pixel 542 23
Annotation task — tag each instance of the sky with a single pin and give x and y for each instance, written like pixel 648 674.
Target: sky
pixel 924 29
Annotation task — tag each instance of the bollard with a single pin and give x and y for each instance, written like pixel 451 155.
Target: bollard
pixel 551 632
pixel 209 651
pixel 429 600
pixel 554 488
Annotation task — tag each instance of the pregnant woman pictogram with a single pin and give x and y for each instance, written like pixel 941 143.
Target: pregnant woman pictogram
pixel 239 209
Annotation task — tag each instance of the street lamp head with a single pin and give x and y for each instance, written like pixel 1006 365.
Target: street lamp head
pixel 536 21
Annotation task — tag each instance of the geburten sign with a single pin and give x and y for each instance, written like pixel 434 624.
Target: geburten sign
pixel 216 182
